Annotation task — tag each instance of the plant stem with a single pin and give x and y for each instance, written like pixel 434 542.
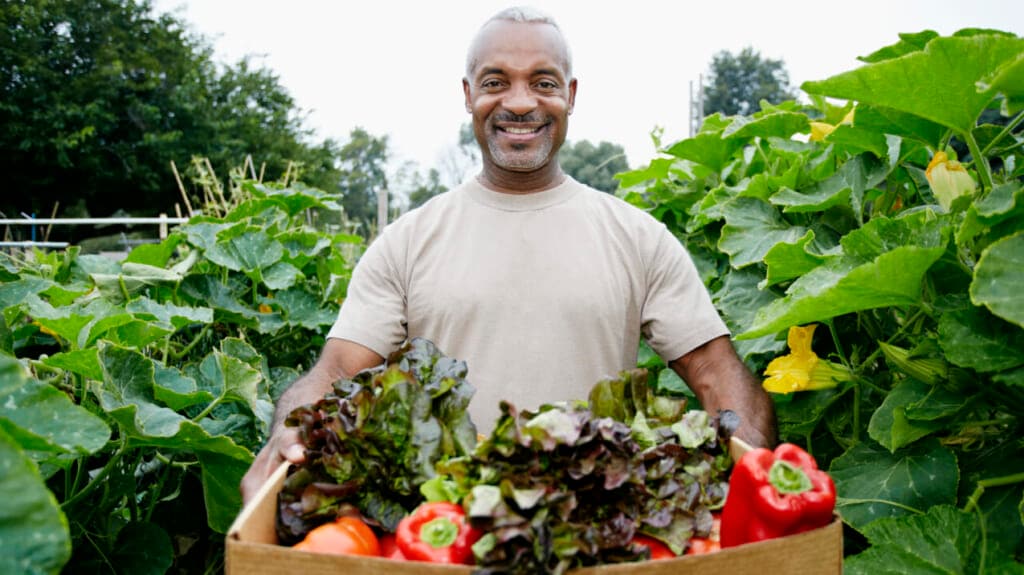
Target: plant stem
pixel 835 340
pixel 874 355
pixel 980 162
pixel 124 288
pixel 856 411
pixel 972 501
pixel 1005 131
pixel 155 492
pixel 184 351
pixel 208 409
pixel 99 479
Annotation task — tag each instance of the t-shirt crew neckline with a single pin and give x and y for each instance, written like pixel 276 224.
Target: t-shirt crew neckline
pixel 522 202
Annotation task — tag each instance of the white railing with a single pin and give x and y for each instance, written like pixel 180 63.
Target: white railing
pixel 162 221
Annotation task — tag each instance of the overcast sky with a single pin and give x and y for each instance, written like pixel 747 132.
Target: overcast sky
pixel 396 67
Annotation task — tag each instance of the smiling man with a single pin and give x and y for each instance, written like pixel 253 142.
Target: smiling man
pixel 542 285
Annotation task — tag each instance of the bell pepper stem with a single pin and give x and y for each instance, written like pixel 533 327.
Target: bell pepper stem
pixel 788 478
pixel 439 533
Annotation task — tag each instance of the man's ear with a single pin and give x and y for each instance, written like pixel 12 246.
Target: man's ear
pixel 465 90
pixel 572 94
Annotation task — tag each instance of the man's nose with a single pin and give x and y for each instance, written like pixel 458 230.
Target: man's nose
pixel 520 100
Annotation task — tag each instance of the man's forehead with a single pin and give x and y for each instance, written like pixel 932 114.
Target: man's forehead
pixel 501 41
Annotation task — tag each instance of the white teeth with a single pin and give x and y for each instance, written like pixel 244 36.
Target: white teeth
pixel 519 131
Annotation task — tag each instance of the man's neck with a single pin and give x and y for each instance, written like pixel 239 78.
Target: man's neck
pixel 509 182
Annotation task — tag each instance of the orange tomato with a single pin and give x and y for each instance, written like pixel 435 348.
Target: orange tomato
pixel 345 536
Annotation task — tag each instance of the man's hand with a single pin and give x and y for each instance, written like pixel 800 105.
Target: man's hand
pixel 339 359
pixel 721 381
pixel 283 445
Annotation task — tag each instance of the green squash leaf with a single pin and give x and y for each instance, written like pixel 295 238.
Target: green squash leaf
pixel 753 228
pixel 127 395
pixel 998 277
pixel 34 532
pixel 937 83
pixel 769 125
pixel 143 548
pixel 786 261
pixel 907 247
pixel 848 184
pixel 903 124
pixel 167 314
pixel 84 362
pixel 738 302
pixel 908 43
pixel 973 338
pixel 42 418
pixel 221 476
pixel 890 425
pixel 707 148
pixel 873 483
pixel 941 541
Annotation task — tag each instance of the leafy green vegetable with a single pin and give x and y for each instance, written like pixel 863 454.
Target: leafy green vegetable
pixel 375 439
pixel 569 485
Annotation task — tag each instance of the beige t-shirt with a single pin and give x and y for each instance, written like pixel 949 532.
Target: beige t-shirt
pixel 543 294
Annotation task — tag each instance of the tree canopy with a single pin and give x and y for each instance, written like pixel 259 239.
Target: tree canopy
pixel 737 83
pixel 98 97
pixel 593 165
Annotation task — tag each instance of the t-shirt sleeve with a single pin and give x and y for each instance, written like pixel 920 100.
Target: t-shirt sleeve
pixel 374 311
pixel 678 315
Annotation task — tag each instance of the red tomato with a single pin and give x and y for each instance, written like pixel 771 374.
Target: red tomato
pixel 345 536
pixel 389 547
pixel 658 549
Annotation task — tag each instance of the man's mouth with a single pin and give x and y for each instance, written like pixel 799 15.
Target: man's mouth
pixel 521 133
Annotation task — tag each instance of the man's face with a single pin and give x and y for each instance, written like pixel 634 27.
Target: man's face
pixel 520 95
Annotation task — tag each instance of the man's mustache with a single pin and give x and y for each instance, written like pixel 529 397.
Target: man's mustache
pixel 519 119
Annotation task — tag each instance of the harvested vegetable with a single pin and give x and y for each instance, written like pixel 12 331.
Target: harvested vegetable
pixel 344 536
pixel 774 494
pixel 374 440
pixel 437 532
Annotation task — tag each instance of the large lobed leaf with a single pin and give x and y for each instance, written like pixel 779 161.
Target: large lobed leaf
pixel 883 265
pixel 937 83
pixel 39 417
pixel 33 531
pixel 916 477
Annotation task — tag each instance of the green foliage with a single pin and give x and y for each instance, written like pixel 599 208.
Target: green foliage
pixel 133 394
pixel 362 160
pixel 737 84
pixel 921 303
pixel 98 97
pixel 592 165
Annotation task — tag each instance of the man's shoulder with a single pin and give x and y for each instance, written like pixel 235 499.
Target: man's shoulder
pixel 611 203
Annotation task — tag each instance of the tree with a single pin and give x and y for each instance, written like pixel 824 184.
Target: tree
pixel 97 97
pixel 593 165
pixel 362 173
pixel 424 188
pixel 737 84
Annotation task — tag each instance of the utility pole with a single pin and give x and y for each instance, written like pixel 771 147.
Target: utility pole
pixel 696 106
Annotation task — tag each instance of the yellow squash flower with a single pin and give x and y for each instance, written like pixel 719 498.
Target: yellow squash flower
pixel 802 369
pixel 949 179
pixel 819 130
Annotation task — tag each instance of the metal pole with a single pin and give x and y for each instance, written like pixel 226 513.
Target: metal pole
pixel 382 209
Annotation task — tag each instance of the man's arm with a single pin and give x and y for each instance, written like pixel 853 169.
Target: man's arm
pixel 721 381
pixel 339 359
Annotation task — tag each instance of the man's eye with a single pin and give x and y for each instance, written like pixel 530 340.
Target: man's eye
pixel 491 84
pixel 547 85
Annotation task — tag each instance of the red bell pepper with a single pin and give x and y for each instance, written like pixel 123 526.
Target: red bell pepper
pixel 773 494
pixel 437 533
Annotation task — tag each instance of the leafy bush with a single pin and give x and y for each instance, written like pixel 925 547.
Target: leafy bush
pixel 133 394
pixel 910 263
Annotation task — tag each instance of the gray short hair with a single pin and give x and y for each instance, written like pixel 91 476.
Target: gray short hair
pixel 523 15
